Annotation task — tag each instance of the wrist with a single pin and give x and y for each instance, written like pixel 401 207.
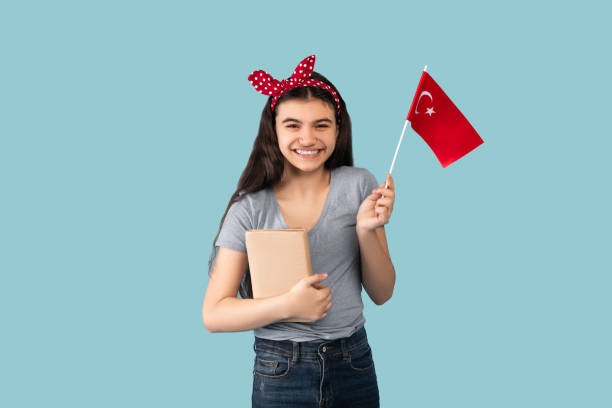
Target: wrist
pixel 284 308
pixel 364 231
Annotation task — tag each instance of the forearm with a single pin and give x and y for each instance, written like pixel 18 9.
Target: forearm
pixel 378 273
pixel 232 314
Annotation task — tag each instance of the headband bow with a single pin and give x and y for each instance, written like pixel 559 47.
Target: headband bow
pixel 267 85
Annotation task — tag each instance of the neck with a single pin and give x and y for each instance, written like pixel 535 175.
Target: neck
pixel 301 185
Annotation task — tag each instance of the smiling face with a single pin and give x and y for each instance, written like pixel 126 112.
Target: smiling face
pixel 307 132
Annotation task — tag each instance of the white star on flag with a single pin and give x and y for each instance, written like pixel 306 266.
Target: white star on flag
pixel 430 111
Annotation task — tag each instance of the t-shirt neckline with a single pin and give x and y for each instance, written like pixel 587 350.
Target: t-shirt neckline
pixel 323 213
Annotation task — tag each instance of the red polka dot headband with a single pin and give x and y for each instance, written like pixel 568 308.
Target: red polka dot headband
pixel 267 85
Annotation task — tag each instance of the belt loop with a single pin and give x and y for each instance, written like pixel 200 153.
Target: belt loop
pixel 296 351
pixel 345 353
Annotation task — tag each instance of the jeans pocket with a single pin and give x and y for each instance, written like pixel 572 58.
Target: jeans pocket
pixel 360 358
pixel 271 365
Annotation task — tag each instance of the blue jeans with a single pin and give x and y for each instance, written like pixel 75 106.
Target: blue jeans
pixel 323 373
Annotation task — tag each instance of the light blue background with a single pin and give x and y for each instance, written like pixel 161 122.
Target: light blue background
pixel 124 129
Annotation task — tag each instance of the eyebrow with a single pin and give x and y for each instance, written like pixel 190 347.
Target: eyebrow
pixel 298 121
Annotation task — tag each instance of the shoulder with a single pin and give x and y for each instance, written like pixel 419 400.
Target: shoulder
pixel 359 175
pixel 358 179
pixel 352 171
pixel 247 205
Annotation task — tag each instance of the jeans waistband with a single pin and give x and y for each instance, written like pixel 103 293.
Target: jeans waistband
pixel 294 349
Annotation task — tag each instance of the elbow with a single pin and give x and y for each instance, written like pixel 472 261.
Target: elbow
pixel 214 318
pixel 383 299
pixel 208 322
pixel 209 327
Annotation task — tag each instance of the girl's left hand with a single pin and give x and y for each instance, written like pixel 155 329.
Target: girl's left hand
pixel 376 209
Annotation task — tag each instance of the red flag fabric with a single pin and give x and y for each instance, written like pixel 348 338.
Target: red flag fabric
pixel 438 121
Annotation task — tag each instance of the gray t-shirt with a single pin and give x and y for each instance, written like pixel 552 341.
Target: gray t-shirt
pixel 334 249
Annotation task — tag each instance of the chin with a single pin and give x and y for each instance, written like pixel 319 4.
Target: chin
pixel 307 167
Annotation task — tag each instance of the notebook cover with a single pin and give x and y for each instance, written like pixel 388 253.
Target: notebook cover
pixel 278 259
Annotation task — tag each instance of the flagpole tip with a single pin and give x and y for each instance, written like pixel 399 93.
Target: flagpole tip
pixel 425 69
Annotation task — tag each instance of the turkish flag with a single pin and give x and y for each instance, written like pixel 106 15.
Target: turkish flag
pixel 438 121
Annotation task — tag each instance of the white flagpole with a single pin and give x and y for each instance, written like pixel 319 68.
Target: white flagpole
pixel 396 150
pixel 399 143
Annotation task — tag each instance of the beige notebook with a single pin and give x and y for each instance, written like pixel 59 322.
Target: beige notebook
pixel 278 259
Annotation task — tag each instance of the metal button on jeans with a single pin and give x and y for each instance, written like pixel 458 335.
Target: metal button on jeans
pixel 324 349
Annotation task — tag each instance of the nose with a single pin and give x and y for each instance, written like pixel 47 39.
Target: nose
pixel 307 137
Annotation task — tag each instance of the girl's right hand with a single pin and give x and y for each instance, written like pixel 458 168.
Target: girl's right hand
pixel 307 300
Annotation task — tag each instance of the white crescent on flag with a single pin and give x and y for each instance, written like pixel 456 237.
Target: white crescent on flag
pixel 416 108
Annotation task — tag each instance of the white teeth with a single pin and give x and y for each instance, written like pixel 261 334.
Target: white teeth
pixel 308 151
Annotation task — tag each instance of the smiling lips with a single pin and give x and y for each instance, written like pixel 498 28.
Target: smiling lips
pixel 305 153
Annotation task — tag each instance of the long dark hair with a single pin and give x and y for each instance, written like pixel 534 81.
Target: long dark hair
pixel 266 163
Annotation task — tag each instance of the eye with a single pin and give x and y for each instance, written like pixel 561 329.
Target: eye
pixel 322 126
pixel 292 126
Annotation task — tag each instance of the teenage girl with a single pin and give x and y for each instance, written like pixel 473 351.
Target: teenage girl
pixel 311 348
